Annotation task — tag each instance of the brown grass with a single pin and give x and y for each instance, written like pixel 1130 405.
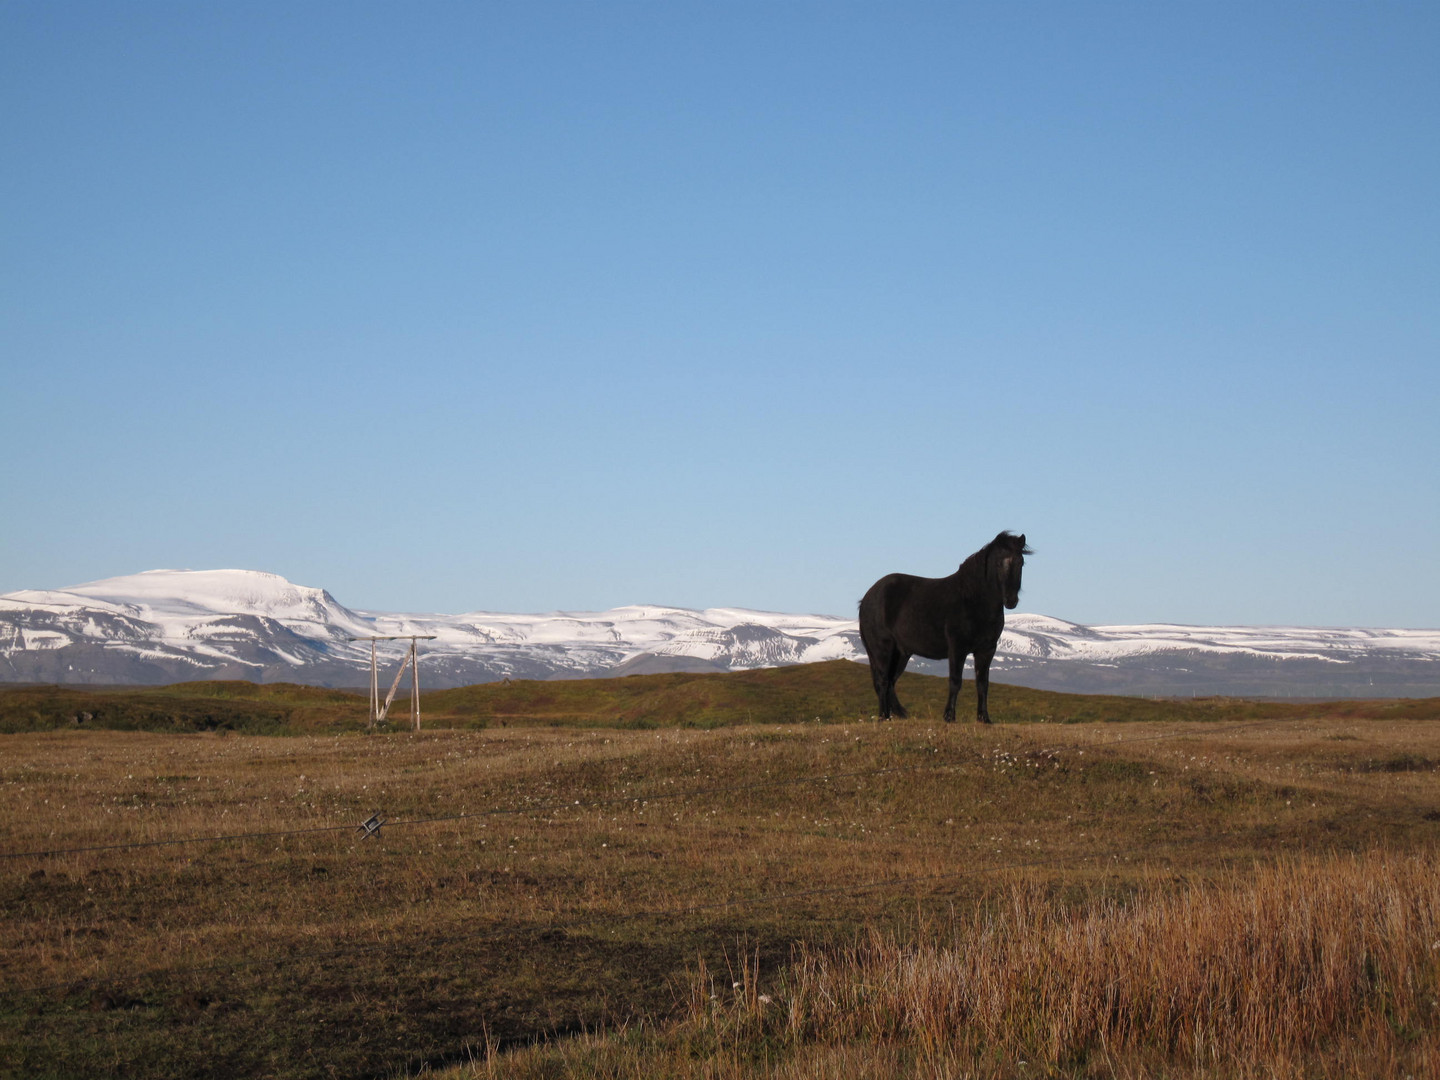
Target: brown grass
pixel 1323 966
pixel 601 864
pixel 1244 973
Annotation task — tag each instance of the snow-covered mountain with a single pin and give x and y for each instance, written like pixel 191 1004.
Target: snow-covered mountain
pixel 1170 659
pixel 175 625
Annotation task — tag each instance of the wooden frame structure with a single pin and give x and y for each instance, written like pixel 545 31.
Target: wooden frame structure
pixel 378 712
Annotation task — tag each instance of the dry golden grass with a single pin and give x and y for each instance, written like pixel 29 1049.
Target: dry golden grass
pixel 1318 966
pixel 597 866
pixel 1242 974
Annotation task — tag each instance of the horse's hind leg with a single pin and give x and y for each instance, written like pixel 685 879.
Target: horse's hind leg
pixel 879 667
pixel 896 708
pixel 898 660
pixel 886 664
pixel 882 691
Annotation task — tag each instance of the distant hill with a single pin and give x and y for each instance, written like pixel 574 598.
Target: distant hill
pixel 827 692
pixel 168 626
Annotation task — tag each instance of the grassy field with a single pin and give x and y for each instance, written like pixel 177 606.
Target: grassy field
pixel 760 881
pixel 835 691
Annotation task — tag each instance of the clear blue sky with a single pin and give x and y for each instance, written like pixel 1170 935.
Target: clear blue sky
pixel 535 306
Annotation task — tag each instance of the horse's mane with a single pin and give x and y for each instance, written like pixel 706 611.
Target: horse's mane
pixel 973 568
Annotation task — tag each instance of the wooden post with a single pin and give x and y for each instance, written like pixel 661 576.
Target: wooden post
pixel 374 689
pixel 415 683
pixel 378 712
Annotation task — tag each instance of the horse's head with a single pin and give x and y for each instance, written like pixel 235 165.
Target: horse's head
pixel 1007 562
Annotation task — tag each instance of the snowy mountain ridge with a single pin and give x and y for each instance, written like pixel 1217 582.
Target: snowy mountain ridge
pixel 165 626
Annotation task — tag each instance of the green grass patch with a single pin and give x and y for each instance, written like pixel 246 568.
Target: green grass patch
pixel 838 691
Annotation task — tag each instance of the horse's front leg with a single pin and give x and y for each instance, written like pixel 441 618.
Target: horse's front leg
pixel 957 671
pixel 982 685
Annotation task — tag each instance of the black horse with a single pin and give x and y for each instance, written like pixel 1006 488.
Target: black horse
pixel 942 618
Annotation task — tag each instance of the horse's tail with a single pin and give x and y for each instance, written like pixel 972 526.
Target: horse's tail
pixel 865 619
pixel 865 640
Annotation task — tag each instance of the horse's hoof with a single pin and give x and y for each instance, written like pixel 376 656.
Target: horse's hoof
pixel 982 719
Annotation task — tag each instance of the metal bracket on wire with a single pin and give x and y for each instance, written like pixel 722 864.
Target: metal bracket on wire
pixel 371 825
